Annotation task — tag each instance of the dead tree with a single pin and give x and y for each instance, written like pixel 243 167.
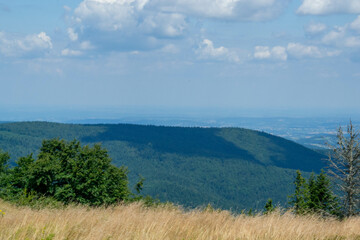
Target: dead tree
pixel 344 166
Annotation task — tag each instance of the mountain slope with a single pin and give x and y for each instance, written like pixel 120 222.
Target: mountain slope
pixel 228 167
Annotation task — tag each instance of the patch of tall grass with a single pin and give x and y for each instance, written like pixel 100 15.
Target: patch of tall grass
pixel 136 221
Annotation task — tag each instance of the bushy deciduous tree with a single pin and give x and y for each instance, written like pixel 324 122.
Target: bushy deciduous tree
pixel 69 172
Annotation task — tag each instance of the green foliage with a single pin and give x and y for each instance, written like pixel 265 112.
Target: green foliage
pixel 4 160
pixel 322 199
pixel 139 185
pixel 68 172
pixel 300 199
pixel 269 207
pixel 314 195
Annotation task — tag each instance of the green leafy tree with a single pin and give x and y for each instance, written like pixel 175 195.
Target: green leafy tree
pixel 20 174
pixel 69 172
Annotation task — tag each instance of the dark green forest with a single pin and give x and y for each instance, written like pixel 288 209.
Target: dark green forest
pixel 231 168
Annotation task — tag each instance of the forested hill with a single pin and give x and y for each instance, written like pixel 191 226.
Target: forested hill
pixel 228 167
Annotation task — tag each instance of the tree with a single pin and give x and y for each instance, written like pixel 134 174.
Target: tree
pixel 321 199
pixel 344 166
pixel 4 159
pixel 314 195
pixel 4 172
pixel 299 200
pixel 69 172
pixel 269 207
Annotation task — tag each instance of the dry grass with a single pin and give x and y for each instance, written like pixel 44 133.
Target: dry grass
pixel 136 222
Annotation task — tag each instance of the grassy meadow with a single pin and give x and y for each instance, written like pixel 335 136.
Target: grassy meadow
pixel 134 221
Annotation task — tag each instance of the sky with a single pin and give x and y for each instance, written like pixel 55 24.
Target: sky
pixel 238 55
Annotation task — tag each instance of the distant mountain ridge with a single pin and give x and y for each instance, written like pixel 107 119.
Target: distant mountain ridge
pixel 228 167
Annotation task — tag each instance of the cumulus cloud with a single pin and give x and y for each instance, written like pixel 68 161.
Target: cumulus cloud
pixel 70 52
pixel 108 15
pixel 170 48
pixel 30 45
pixel 249 10
pixel 86 45
pixel 344 36
pixel 299 51
pixel 207 50
pixel 128 16
pixel 125 25
pixel 355 25
pixel 72 34
pixel 323 7
pixel 334 36
pixel 293 50
pixel 262 52
pixel 352 42
pixel 276 53
pixel 164 25
pixel 130 25
pixel 315 28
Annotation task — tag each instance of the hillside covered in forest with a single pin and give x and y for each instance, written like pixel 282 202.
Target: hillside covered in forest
pixel 231 168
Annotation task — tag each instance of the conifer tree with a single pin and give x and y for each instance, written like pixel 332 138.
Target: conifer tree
pixel 325 200
pixel 269 207
pixel 314 195
pixel 299 200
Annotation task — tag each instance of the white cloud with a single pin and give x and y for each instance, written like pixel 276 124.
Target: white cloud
pixel 298 50
pixel 86 45
pixel 70 52
pixel 30 45
pixel 170 48
pixel 253 10
pixel 166 25
pixel 344 36
pixel 334 36
pixel 276 53
pixel 355 25
pixel 262 52
pixel 333 53
pixel 315 28
pixel 322 7
pixel 128 17
pixel 293 50
pixel 72 34
pixel 352 42
pixel 279 52
pixel 128 25
pixel 67 8
pixel 108 15
pixel 207 50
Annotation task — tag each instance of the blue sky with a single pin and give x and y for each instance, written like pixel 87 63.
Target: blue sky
pixel 224 54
